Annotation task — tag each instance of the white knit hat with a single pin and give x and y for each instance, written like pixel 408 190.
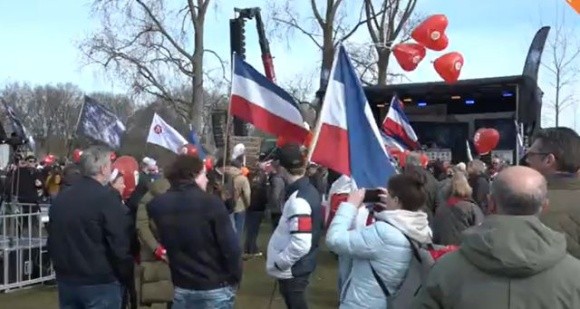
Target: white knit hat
pixel 150 162
pixel 238 150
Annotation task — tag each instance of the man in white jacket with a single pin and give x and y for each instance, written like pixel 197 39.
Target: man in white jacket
pixel 293 247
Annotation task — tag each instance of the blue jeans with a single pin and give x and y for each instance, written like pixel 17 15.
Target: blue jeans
pixel 222 298
pixel 239 220
pixel 99 296
pixel 253 220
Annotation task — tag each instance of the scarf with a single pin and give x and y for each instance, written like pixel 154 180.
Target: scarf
pixel 413 224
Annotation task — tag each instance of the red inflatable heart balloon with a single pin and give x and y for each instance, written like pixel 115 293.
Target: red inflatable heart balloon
pixel 485 140
pixel 431 32
pixel 449 66
pixel 76 155
pixel 409 55
pixel 129 167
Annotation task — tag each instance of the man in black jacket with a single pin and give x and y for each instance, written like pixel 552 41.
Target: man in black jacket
pixel 88 239
pixel 195 229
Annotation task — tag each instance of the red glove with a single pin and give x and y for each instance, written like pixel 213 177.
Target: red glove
pixel 437 254
pixel 160 252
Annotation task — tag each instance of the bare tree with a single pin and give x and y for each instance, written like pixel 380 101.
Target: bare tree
pixel 156 47
pixel 562 63
pixel 326 26
pixel 49 112
pixel 386 21
pixel 121 105
pixel 300 87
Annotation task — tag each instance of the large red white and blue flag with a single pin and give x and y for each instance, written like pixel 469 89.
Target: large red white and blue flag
pixel 257 100
pixel 347 139
pixel 397 125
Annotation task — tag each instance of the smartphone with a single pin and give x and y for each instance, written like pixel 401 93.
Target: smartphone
pixel 372 196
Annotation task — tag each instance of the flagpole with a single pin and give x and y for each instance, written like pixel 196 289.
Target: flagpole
pixel 228 120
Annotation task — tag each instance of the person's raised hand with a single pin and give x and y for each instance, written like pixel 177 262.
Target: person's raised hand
pixel 356 197
pixel 384 202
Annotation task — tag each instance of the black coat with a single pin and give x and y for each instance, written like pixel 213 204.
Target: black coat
pixel 195 228
pixel 88 239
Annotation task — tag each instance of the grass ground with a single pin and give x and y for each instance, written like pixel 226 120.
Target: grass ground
pixel 255 292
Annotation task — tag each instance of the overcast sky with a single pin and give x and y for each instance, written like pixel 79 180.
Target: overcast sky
pixel 40 41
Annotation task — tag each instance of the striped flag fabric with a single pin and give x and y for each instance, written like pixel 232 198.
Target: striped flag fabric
pixel 257 100
pixel 347 138
pixel 398 126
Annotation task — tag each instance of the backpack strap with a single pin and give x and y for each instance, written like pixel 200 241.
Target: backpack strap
pixel 414 249
pixel 379 281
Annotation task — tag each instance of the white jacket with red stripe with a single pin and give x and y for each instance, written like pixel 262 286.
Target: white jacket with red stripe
pixel 293 246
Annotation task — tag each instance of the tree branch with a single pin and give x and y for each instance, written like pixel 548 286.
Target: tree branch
pixel 162 30
pixel 293 23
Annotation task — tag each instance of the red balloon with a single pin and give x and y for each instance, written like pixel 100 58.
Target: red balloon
pixel 208 163
pixel 449 66
pixel 424 160
pixel 431 32
pixel 76 155
pixel 409 55
pixel 189 150
pixel 485 140
pixel 49 159
pixel 129 167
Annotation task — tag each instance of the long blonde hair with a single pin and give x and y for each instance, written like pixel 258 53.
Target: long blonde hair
pixel 460 186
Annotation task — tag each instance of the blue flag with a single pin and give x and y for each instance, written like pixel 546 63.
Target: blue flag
pixel 98 123
pixel 194 140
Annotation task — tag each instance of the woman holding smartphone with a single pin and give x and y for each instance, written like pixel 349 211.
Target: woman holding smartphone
pixel 382 247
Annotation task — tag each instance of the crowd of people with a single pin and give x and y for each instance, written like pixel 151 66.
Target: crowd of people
pixel 497 236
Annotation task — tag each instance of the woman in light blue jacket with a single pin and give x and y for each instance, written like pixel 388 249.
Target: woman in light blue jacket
pixel 383 244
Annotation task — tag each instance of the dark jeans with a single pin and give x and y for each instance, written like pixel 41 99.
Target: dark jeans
pixel 253 221
pixel 294 292
pixel 238 221
pixel 99 296
pixel 275 218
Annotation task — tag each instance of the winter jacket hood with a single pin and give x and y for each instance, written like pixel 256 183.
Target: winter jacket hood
pixel 513 246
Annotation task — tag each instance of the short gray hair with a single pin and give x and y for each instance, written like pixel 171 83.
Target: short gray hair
pixel 518 203
pixel 93 160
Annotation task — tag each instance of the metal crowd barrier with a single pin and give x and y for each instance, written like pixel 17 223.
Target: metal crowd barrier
pixel 24 259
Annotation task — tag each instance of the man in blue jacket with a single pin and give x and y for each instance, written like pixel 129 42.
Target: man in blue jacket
pixel 293 247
